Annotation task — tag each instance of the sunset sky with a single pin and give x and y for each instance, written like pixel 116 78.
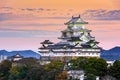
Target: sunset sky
pixel 26 23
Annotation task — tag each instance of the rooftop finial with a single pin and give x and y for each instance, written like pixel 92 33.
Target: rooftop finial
pixel 72 17
pixel 79 15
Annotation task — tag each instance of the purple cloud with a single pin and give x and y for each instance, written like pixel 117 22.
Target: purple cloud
pixel 37 9
pixel 102 14
pixel 88 14
pixel 7 7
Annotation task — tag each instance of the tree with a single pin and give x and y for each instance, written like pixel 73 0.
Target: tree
pixel 95 66
pixel 54 66
pixel 62 76
pixel 90 77
pixel 37 73
pixel 18 72
pixel 115 70
pixel 4 69
pixel 53 69
pixel 46 72
pixel 77 64
pixel 28 62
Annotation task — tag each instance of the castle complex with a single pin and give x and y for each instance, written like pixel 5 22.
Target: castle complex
pixel 76 41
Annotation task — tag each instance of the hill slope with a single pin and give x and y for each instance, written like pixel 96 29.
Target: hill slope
pixel 24 53
pixel 111 54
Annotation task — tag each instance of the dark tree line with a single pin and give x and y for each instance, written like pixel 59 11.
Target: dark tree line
pixel 30 69
pixel 5 66
pixel 96 67
pixel 115 70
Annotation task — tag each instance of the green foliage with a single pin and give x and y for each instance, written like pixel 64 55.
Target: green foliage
pixel 28 62
pixel 115 70
pixel 37 73
pixel 95 66
pixel 5 66
pixel 4 69
pixel 53 69
pixel 62 76
pixel 79 63
pixel 90 77
pixel 46 72
pixel 17 73
pixel 30 69
pixel 54 66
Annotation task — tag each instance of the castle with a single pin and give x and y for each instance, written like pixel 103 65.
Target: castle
pixel 76 41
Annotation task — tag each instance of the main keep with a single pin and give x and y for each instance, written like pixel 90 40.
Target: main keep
pixel 76 41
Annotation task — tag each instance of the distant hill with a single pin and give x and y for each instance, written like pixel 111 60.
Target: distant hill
pixel 111 54
pixel 24 53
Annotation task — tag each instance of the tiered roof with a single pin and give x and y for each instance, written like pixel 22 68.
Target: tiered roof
pixel 76 30
pixel 76 20
pixel 74 37
pixel 46 42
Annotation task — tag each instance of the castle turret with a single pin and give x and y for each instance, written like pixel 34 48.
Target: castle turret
pixel 77 33
pixel 46 43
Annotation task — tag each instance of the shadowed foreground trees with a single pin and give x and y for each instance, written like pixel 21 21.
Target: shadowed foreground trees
pixel 46 72
pixel 95 66
pixel 18 72
pixel 29 62
pixel 115 70
pixel 90 77
pixel 4 69
pixel 37 73
pixel 62 76
pixel 30 69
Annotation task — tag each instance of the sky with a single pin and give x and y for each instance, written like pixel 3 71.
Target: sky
pixel 26 23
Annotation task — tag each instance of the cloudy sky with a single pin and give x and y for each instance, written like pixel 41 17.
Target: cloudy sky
pixel 26 23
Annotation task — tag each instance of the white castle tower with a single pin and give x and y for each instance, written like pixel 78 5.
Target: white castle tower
pixel 76 41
